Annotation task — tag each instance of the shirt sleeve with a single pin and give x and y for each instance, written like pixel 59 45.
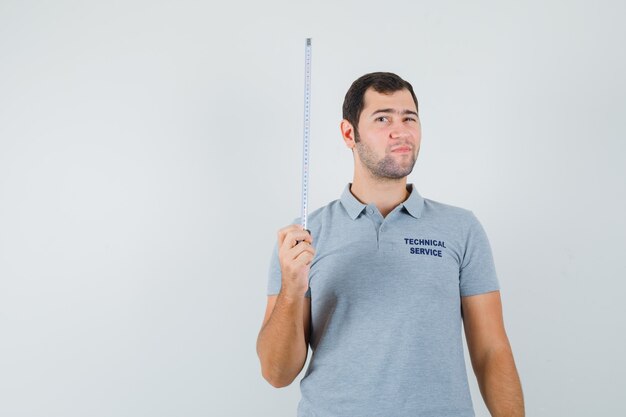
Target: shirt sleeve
pixel 478 271
pixel 274 281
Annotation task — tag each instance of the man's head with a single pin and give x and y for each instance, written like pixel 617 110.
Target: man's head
pixel 381 123
pixel 381 82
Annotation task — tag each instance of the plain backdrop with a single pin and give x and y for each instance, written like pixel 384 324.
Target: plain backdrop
pixel 150 150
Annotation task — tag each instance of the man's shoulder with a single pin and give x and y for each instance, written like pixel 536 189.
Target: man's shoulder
pixel 322 213
pixel 325 211
pixel 445 207
pixel 434 208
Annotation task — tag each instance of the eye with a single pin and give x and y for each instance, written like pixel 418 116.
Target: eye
pixel 382 119
pixel 410 119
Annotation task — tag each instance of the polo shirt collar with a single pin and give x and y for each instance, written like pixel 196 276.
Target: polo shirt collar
pixel 353 206
pixel 413 205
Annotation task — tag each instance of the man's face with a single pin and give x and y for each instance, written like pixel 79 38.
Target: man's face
pixel 389 134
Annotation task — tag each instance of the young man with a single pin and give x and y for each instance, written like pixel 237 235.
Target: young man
pixel 382 297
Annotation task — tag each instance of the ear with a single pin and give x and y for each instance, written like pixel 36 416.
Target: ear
pixel 347 133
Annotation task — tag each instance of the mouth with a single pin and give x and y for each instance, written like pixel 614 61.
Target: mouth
pixel 401 149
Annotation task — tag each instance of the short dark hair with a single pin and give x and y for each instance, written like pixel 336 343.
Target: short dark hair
pixel 382 82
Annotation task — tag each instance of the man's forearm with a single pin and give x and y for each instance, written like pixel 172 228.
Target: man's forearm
pixel 281 345
pixel 500 385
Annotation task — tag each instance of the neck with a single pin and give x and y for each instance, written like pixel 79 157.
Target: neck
pixel 385 194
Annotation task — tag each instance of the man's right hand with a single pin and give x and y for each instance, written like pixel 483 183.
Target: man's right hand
pixel 295 254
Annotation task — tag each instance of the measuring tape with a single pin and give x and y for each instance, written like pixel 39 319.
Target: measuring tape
pixel 307 132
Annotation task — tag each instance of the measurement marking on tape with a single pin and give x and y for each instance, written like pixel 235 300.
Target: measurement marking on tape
pixel 307 132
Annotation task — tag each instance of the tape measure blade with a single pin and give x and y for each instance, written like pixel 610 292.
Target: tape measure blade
pixel 306 133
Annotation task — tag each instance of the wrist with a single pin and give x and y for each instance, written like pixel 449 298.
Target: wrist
pixel 292 295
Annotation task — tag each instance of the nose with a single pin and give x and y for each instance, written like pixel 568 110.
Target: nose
pixel 399 131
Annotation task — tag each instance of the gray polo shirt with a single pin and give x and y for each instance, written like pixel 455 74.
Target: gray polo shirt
pixel 386 308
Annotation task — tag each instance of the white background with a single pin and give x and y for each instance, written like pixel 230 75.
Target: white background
pixel 150 150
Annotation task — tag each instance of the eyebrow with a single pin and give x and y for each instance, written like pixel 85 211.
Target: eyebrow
pixel 394 111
